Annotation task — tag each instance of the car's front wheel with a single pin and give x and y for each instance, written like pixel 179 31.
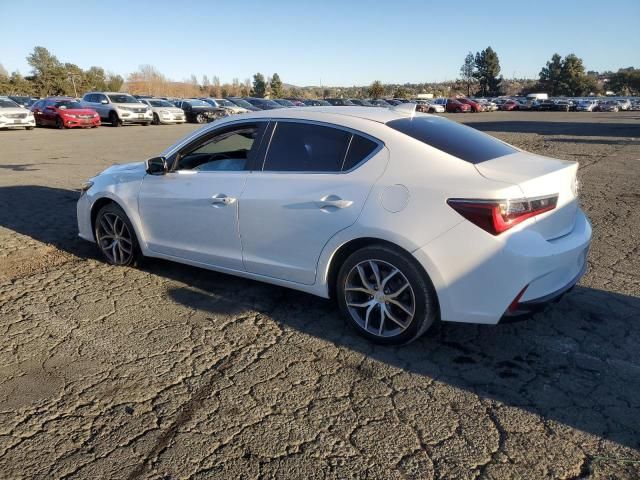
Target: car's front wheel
pixel 385 295
pixel 115 236
pixel 114 119
pixel 156 119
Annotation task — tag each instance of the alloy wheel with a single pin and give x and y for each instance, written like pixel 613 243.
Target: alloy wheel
pixel 379 298
pixel 114 239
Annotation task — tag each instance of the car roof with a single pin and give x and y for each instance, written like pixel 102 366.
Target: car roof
pixel 374 114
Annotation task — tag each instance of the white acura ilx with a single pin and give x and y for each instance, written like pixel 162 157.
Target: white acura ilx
pixel 402 217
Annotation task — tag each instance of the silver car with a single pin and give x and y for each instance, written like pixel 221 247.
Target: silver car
pixel 118 108
pixel 164 111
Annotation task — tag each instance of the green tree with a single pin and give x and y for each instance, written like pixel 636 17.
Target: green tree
pixel 276 86
pixel 259 86
pixel 487 68
pixel 402 92
pixel 49 75
pixel 376 89
pixel 113 82
pixel 94 79
pixel 625 81
pixel 574 78
pixel 551 76
pixel 467 71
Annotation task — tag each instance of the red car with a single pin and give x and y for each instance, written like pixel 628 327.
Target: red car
pixel 455 106
pixel 510 105
pixel 64 112
pixel 475 106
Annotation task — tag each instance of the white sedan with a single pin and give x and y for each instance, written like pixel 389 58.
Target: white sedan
pixel 13 115
pixel 404 218
pixel 164 111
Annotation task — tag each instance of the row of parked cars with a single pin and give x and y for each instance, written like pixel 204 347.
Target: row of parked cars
pixel 119 108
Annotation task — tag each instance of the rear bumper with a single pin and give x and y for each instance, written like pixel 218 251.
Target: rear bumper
pixel 477 276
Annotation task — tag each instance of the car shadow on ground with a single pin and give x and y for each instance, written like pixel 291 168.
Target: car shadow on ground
pixel 583 129
pixel 576 363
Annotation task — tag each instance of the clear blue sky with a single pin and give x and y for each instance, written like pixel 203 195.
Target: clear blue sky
pixel 336 42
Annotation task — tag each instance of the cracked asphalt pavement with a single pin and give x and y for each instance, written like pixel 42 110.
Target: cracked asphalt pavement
pixel 168 371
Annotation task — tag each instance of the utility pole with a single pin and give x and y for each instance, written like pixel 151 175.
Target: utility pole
pixel 73 81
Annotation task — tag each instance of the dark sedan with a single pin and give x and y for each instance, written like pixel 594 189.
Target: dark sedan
pixel 198 111
pixel 263 103
pixel 340 102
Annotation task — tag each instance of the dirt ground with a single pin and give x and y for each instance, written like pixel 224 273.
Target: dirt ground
pixel 169 371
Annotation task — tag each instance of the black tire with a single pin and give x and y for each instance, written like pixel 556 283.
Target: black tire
pixel 59 123
pixel 201 118
pixel 146 124
pixel 458 110
pixel 156 119
pixel 116 237
pixel 421 293
pixel 30 128
pixel 114 119
pixel 432 110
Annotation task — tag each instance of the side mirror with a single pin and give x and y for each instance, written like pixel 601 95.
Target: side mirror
pixel 104 101
pixel 157 166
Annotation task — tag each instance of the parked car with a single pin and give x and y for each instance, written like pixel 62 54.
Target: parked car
pixel 284 102
pixel 361 102
pixel 340 102
pixel 608 106
pixel 228 104
pixel 243 103
pixel 625 104
pixel 425 106
pixel 64 112
pixel 13 115
pixel 392 102
pixel 215 103
pixel 452 105
pixel 164 112
pixel 586 105
pixel 635 106
pixel 355 233
pixel 487 105
pixel 545 105
pixel 475 106
pixel 118 108
pixel 263 103
pixel 509 105
pixel 379 102
pixel 23 100
pixel 317 103
pixel 199 111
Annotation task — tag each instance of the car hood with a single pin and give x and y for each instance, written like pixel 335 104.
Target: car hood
pixel 14 110
pixel 128 168
pixel 77 111
pixel 168 109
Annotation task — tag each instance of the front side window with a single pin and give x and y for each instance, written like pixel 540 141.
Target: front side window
pixel 228 150
pixel 122 98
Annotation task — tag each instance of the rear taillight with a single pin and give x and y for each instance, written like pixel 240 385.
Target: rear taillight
pixel 497 216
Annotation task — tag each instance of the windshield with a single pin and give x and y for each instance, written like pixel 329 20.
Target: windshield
pixel 223 102
pixel 123 99
pixel 286 103
pixel 463 142
pixel 241 103
pixel 198 103
pixel 160 103
pixel 69 104
pixel 5 103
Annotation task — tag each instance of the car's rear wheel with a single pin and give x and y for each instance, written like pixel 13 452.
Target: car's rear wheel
pixel 457 110
pixel 59 123
pixel 116 237
pixel 385 295
pixel 114 119
pixel 156 119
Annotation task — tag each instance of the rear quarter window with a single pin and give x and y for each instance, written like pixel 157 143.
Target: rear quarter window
pixel 463 142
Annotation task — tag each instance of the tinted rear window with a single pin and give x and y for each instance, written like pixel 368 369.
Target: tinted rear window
pixel 464 142
pixel 359 149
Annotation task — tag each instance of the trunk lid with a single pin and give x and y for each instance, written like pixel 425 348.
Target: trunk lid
pixel 539 176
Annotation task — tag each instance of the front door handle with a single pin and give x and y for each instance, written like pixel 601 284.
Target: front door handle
pixel 333 201
pixel 221 200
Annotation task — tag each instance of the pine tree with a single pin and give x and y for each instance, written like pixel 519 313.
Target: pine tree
pixel 276 86
pixel 259 86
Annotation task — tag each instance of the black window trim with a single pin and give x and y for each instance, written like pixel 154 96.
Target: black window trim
pixel 193 143
pixel 275 120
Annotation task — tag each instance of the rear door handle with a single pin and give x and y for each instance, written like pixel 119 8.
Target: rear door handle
pixel 221 200
pixel 333 201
